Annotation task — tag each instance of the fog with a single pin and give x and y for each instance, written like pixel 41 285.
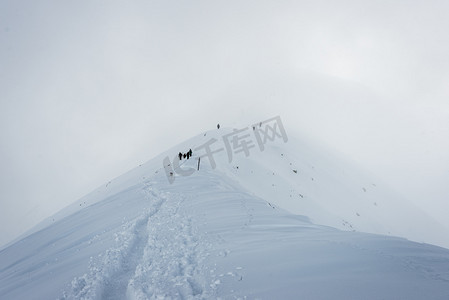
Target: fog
pixel 91 89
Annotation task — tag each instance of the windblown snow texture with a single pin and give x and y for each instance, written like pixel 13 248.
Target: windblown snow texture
pixel 222 233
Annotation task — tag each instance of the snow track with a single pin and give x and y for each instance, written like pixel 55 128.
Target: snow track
pixel 171 259
pixel 156 256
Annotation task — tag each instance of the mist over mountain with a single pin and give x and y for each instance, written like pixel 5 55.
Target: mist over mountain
pixel 328 177
pixel 90 90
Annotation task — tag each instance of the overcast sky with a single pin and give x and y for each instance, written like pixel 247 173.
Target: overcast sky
pixel 91 89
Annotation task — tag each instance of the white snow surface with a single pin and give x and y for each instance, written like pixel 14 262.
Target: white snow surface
pixel 289 222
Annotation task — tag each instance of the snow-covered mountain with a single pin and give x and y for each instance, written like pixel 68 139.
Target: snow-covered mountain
pixel 265 216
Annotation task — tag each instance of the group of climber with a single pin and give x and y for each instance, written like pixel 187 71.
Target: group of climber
pixel 185 155
pixel 189 153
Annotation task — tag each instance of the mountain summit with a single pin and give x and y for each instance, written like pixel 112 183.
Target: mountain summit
pixel 252 213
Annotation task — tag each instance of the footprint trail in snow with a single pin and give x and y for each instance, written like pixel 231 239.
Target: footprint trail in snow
pixel 156 256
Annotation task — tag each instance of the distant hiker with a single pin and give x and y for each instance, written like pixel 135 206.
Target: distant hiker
pixel 218 126
pixel 184 155
pixel 188 155
pixel 190 152
pixel 180 155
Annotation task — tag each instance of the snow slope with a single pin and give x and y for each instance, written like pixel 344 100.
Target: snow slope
pixel 247 228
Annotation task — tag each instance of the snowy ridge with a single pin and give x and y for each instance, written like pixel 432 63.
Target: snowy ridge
pixel 223 233
pixel 307 180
